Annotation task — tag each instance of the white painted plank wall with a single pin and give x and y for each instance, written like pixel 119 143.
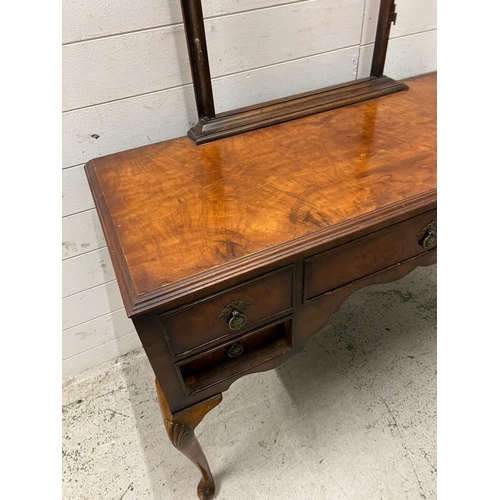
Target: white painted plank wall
pixel 126 83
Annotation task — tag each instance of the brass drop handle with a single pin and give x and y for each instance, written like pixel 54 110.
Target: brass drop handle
pixel 428 235
pixel 430 240
pixel 234 314
pixel 237 320
pixel 235 350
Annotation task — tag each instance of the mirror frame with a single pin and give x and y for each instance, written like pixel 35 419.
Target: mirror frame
pixel 212 125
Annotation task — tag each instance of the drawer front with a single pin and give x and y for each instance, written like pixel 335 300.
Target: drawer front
pixel 228 313
pixel 378 251
pixel 236 357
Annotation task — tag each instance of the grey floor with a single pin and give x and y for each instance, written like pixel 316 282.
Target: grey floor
pixel 353 417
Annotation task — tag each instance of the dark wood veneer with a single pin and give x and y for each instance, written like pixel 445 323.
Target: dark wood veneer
pixel 215 366
pixel 361 257
pixel 270 113
pixel 235 204
pixel 212 126
pixel 199 324
pixel 293 218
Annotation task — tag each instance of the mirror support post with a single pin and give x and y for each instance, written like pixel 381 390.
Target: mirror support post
pixel 194 28
pixel 387 16
pixel 211 127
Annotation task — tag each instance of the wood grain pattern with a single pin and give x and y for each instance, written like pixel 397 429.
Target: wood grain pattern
pixel 364 256
pixel 153 117
pixel 180 429
pixel 173 210
pixel 289 108
pixel 199 323
pixel 211 127
pixel 315 314
pixel 215 366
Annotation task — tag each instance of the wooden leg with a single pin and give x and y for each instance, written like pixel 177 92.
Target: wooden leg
pixel 180 429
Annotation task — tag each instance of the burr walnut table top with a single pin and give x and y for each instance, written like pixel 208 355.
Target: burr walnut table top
pixel 173 211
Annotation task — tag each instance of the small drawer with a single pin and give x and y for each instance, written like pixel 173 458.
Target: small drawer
pixel 228 313
pixel 370 254
pixel 236 357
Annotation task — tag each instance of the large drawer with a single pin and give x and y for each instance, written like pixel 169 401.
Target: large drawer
pixel 342 265
pixel 228 313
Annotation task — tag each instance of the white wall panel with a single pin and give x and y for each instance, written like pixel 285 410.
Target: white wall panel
pixel 81 233
pixel 164 115
pixel 121 66
pixel 125 124
pixel 252 87
pixel 406 56
pixel 84 19
pixel 113 68
pixel 91 303
pixel 254 39
pixel 76 195
pixel 413 17
pixel 99 331
pixel 85 271
pixel 92 357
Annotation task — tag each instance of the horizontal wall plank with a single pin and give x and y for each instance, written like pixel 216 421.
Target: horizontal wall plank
pixel 126 124
pixel 413 17
pixel 76 195
pixel 251 40
pixel 244 89
pixel 99 331
pixel 168 114
pixel 91 303
pixel 86 271
pixel 92 357
pixel 114 68
pixel 93 18
pixel 406 56
pixel 107 69
pixel 81 233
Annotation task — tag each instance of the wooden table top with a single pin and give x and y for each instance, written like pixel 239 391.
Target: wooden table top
pixel 173 210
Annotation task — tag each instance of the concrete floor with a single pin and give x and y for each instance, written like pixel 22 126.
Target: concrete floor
pixel 353 417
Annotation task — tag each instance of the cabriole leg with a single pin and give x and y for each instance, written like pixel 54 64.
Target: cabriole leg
pixel 180 429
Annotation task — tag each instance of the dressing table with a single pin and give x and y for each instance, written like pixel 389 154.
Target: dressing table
pixel 231 253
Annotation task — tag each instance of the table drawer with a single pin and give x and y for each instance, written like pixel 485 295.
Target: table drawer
pixel 228 313
pixel 236 357
pixel 367 255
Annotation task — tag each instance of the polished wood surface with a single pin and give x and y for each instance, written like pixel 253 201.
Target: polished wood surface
pixel 265 298
pixel 252 349
pixel 364 256
pixel 174 210
pixel 194 28
pixel 212 126
pixel 297 106
pixel 232 255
